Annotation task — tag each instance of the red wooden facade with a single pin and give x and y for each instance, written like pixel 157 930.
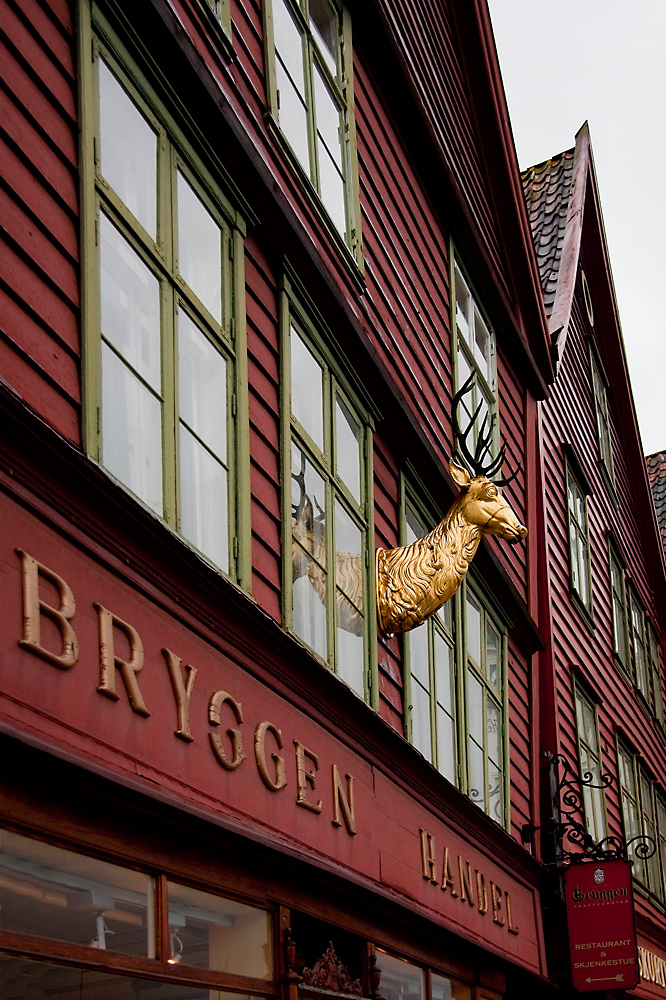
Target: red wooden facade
pixel 594 654
pixel 262 778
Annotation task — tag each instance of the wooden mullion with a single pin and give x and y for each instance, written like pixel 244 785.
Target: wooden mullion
pixel 162 936
pixel 100 960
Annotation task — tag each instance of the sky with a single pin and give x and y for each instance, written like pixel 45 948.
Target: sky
pixel 604 62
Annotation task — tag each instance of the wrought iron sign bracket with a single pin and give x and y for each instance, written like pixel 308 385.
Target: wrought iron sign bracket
pixel 573 844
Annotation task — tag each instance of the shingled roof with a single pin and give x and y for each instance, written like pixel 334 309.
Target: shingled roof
pixel 547 188
pixel 656 466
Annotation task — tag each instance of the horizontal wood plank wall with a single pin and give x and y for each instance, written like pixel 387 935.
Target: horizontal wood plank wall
pixel 430 46
pixel 520 745
pixel 387 487
pixel 39 234
pixel 264 405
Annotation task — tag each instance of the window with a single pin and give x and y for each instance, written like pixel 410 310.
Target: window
pixel 631 812
pixel 327 578
pixel 619 610
pixel 661 843
pixel 655 670
pixel 455 685
pixel 163 392
pixel 114 919
pixel 639 648
pixel 309 82
pixel 603 420
pixel 431 675
pixel 589 756
pixel 579 543
pixel 485 693
pixel 400 979
pixel 475 360
pixel 641 808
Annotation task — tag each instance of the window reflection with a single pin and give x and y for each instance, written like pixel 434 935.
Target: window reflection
pixel 57 894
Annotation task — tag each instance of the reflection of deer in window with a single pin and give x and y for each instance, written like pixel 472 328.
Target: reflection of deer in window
pixel 309 530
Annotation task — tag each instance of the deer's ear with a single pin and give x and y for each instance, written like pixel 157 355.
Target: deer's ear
pixel 460 476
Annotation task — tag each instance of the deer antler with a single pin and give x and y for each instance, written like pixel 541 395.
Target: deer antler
pixel 475 462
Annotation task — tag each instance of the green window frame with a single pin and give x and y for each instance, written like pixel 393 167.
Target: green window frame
pixel 579 541
pixel 590 762
pixel 619 610
pixel 309 84
pixel 603 419
pixel 327 476
pixel 455 677
pixel 639 647
pixel 660 803
pixel 474 357
pixel 655 670
pixel 165 386
pixel 431 674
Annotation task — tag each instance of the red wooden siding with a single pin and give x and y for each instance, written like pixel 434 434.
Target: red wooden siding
pixel 264 402
pixel 39 252
pixel 387 486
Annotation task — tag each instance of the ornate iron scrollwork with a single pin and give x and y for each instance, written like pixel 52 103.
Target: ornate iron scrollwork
pixel 568 791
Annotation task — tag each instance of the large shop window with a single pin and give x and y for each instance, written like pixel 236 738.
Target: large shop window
pixel 474 362
pixel 327 583
pixel 456 687
pixel 589 758
pixel 59 905
pixel 400 979
pixel 163 253
pixel 310 96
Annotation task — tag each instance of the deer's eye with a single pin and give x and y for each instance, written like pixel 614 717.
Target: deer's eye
pixel 492 492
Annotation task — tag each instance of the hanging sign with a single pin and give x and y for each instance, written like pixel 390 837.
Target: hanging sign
pixel 602 933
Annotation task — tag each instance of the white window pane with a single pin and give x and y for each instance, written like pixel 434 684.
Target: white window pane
pixel 350 660
pixel 348 451
pixel 307 394
pixel 203 500
pixel 414 525
pixel 128 153
pixel 476 779
pixel 293 117
pixel 418 654
pixel 421 737
pixel 199 249
pixel 473 630
pixel 495 793
pixel 289 45
pixel 327 116
pixel 309 595
pixel 492 656
pixel 494 731
pixel 131 431
pixel 130 304
pixel 324 23
pixel 332 189
pixel 308 505
pixel 446 752
pixel 463 308
pixel 475 717
pixel 202 386
pixel 348 545
pixel 482 345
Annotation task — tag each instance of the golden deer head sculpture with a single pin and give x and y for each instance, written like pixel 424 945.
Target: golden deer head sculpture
pixel 412 581
pixel 415 580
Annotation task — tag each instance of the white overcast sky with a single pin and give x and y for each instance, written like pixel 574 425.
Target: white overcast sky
pixel 604 62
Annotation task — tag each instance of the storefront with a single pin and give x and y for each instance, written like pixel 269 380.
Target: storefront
pixel 180 820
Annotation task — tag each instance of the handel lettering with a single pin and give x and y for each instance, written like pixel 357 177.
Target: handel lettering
pixel 117 674
pixel 458 880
